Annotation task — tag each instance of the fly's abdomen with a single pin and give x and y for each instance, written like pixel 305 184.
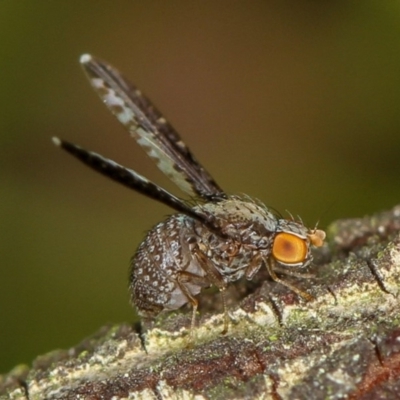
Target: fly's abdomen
pixel 160 265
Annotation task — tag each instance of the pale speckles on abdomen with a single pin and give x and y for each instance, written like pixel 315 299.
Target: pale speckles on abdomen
pixel 155 266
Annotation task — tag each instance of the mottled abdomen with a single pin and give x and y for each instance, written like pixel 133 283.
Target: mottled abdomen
pixel 159 260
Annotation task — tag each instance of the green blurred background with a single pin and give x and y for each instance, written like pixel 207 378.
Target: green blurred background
pixel 293 102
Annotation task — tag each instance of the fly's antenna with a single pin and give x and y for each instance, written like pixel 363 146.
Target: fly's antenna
pixel 317 236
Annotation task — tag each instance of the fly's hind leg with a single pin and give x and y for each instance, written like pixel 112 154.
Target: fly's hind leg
pixel 184 277
pixel 215 278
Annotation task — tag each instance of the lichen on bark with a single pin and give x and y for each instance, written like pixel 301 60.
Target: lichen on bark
pixel 344 344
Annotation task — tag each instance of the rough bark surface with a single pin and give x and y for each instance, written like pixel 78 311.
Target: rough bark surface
pixel 343 345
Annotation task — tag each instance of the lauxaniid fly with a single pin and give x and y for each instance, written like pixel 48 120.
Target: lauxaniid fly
pixel 219 240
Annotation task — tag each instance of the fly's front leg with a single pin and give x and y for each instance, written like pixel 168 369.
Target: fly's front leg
pixel 253 267
pixel 215 278
pixel 271 267
pixel 285 271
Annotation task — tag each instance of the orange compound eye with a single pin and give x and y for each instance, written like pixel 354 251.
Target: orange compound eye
pixel 289 249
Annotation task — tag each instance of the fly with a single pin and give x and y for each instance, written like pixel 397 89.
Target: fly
pixel 217 241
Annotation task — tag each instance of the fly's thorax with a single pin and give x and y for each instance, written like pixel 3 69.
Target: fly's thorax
pixel 228 256
pixel 242 229
pixel 243 220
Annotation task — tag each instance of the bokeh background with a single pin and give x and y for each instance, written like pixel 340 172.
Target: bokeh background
pixel 293 102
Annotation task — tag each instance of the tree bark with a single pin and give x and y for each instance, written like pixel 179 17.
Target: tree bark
pixel 345 344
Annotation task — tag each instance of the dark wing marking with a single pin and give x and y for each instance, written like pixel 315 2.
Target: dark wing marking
pixel 150 129
pixel 130 179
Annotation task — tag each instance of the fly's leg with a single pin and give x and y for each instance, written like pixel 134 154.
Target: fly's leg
pixel 270 264
pixel 184 277
pixel 253 267
pixel 214 278
pixel 285 271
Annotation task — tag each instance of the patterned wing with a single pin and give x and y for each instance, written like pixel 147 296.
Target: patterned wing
pixel 150 129
pixel 128 178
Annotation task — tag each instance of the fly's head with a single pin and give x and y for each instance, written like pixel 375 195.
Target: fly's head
pixel 291 246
